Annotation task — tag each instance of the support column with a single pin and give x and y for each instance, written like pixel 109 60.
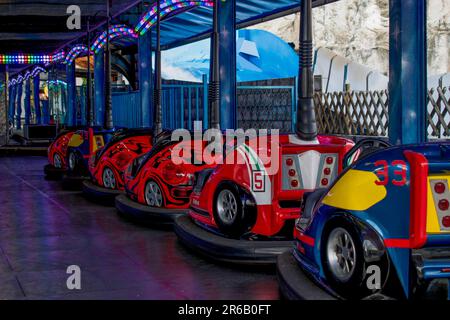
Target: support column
pixel 83 105
pixel 64 104
pixel 99 87
pixel 71 95
pixel 19 106
pixel 27 101
pixel 12 103
pixel 145 78
pixel 407 71
pixel 37 102
pixel 227 61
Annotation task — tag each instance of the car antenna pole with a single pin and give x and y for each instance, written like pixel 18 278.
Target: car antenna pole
pixel 214 82
pixel 158 81
pixel 306 128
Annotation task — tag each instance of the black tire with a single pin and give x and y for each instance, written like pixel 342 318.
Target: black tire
pixel 241 221
pixel 76 164
pixel 110 182
pixel 154 196
pixel 354 287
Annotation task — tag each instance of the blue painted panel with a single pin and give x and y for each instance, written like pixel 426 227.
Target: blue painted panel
pixel 127 109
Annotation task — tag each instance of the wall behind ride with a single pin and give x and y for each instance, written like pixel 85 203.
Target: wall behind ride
pixel 127 109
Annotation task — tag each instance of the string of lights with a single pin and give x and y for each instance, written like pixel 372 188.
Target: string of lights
pixel 115 31
pixel 148 19
pixel 25 59
pixel 76 51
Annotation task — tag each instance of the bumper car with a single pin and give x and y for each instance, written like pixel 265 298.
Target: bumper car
pixel 157 188
pixel 243 211
pixel 108 164
pixel 383 228
pixel 57 155
pixel 82 145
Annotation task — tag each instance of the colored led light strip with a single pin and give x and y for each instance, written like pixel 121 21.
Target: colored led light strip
pixel 115 31
pixel 56 82
pixel 76 51
pixel 58 57
pixel 36 71
pixel 168 6
pixel 25 59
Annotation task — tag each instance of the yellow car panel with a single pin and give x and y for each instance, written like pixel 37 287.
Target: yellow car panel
pixel 356 190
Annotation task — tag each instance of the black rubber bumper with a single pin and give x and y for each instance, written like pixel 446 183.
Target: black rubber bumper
pixel 228 250
pixel 73 182
pixel 54 173
pixel 145 214
pixel 295 284
pixel 99 194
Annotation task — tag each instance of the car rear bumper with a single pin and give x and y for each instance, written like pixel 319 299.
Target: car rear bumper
pixel 432 263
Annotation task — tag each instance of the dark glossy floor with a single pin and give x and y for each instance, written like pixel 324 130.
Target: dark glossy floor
pixel 44 229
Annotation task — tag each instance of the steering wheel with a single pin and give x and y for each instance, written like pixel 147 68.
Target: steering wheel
pixel 364 148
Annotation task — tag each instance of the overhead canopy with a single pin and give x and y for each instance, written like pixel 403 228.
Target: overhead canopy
pixel 196 23
pixel 40 26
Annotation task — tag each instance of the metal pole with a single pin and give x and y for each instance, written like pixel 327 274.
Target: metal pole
pixel 89 92
pixel 306 117
pixel 158 81
pixel 214 81
pixel 108 104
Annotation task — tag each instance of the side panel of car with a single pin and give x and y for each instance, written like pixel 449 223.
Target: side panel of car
pixel 59 146
pixel 118 156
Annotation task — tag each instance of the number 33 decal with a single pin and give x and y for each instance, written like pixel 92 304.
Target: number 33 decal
pixel 383 173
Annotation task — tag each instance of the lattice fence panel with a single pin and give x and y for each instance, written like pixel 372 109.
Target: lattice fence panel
pixel 265 108
pixel 366 113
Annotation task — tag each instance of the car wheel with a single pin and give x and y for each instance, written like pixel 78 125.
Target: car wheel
pixel 109 179
pixel 153 195
pixel 73 161
pixel 228 211
pixel 343 261
pixel 57 161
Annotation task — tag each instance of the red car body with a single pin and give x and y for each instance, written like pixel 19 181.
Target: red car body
pixel 57 151
pixel 175 181
pixel 117 154
pixel 272 198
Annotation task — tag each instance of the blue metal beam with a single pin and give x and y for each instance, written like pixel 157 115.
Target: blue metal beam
pixel 27 101
pixel 82 101
pixel 51 93
pixel 227 61
pixel 99 87
pixel 12 103
pixel 407 71
pixel 19 105
pixel 145 78
pixel 71 95
pixel 37 104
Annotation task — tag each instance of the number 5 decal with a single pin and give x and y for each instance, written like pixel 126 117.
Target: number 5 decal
pixel 258 180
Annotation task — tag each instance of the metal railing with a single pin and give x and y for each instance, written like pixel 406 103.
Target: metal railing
pixel 184 103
